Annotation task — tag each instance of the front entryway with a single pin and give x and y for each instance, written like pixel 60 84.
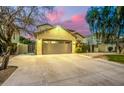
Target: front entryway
pixel 57 46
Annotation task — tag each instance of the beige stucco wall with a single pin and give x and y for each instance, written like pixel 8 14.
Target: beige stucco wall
pixel 104 47
pixel 122 52
pixel 73 47
pixel 22 48
pixel 56 33
pixel 38 46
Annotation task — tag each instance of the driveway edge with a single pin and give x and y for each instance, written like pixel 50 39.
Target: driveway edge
pixel 103 60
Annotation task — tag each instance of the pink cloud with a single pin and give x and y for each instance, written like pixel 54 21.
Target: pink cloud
pixel 77 23
pixel 56 16
pixel 78 18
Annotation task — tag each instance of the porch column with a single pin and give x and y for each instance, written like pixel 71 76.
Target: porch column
pixel 39 46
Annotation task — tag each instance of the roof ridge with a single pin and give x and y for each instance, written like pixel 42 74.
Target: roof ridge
pixel 45 24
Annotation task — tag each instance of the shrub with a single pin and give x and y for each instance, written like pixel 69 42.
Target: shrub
pixel 78 50
pixel 84 48
pixel 81 49
pixel 110 49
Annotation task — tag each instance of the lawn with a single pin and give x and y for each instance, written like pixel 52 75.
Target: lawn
pixel 116 58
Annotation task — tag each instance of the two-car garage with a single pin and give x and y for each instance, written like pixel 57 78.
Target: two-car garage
pixel 56 46
pixel 54 40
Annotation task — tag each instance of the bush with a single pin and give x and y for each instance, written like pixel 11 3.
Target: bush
pixel 81 49
pixel 78 50
pixel 110 49
pixel 84 48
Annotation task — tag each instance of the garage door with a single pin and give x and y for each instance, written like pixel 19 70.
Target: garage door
pixel 57 46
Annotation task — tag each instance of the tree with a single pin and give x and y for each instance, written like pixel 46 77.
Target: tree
pixel 19 18
pixel 108 23
pixel 120 26
pixel 25 40
pixel 93 18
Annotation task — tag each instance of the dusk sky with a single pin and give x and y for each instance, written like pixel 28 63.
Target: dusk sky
pixel 71 17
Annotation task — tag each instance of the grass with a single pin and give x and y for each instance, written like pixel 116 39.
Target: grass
pixel 116 58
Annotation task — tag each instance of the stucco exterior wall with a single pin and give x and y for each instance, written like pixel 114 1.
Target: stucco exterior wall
pixel 22 48
pixel 73 47
pixel 38 46
pixel 104 47
pixel 56 33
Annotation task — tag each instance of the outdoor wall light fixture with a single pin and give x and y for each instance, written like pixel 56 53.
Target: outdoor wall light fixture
pixel 38 40
pixel 74 42
pixel 53 42
pixel 58 27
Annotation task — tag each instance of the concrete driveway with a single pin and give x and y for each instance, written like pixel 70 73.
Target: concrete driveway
pixel 64 69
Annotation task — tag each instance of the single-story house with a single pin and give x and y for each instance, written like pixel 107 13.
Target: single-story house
pixel 56 40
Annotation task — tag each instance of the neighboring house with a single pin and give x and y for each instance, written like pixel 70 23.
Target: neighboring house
pixel 91 41
pixel 105 47
pixel 18 47
pixel 56 40
pixel 97 46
